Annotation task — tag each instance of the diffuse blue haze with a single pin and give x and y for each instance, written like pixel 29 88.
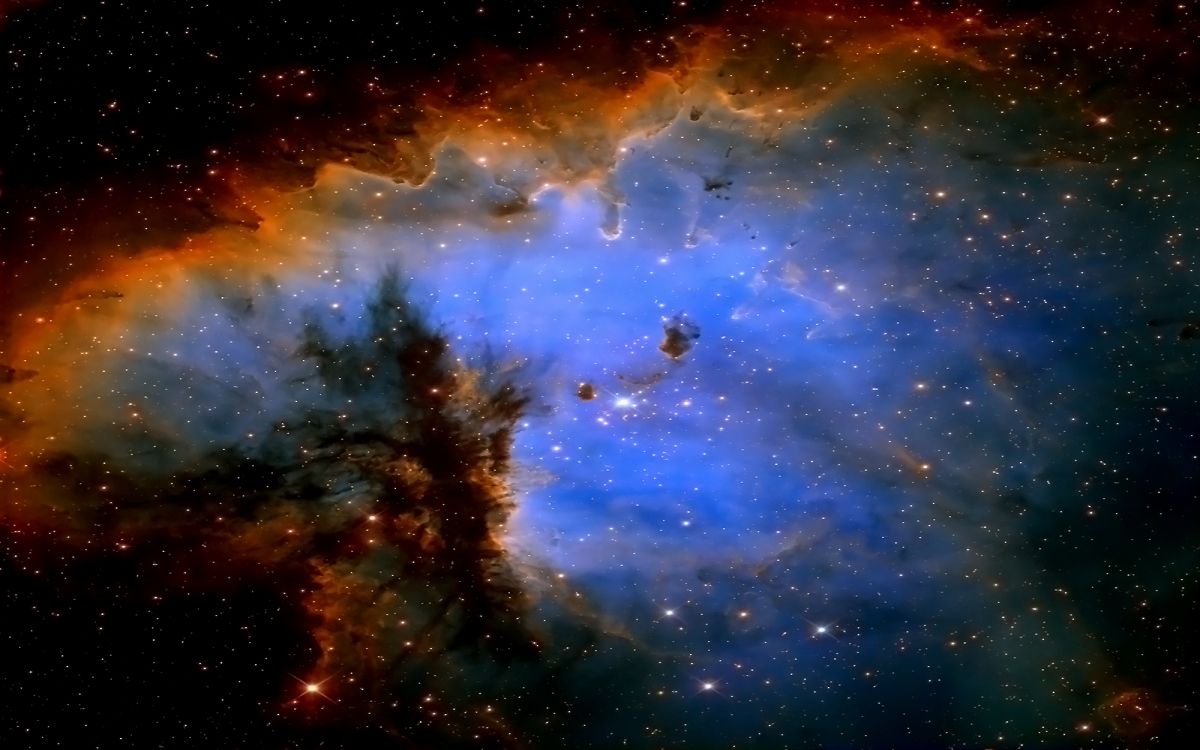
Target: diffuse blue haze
pixel 912 377
pixel 908 371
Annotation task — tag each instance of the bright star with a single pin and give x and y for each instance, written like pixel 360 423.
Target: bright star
pixel 313 688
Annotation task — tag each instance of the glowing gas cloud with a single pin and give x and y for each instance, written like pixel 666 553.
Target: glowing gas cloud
pixel 800 385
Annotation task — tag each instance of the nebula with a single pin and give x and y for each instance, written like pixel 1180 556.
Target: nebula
pixel 807 376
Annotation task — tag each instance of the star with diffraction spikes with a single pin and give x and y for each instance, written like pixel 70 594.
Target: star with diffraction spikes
pixel 310 688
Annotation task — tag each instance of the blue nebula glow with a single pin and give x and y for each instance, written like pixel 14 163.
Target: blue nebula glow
pixel 908 358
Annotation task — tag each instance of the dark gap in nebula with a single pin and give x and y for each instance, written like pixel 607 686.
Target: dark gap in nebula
pixel 419 473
